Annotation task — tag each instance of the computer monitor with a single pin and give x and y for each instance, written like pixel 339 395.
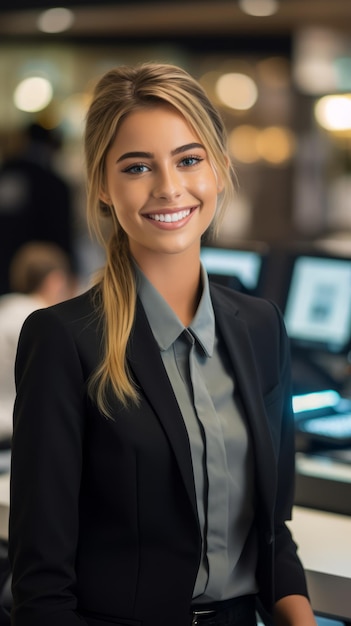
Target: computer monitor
pixel 317 310
pixel 235 267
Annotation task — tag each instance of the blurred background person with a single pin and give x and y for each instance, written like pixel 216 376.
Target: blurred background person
pixel 39 275
pixel 35 201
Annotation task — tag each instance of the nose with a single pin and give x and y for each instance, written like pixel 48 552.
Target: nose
pixel 167 184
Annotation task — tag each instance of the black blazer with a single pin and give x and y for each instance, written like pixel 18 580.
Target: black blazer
pixel 103 520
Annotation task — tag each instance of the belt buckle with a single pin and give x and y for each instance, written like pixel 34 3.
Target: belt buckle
pixel 199 614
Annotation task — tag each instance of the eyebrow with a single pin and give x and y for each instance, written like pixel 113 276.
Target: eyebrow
pixel 150 155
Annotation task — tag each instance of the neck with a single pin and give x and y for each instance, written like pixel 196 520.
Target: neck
pixel 177 278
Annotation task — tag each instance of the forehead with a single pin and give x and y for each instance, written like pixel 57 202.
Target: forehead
pixel 152 124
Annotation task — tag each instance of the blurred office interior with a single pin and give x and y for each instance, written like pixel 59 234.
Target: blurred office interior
pixel 280 73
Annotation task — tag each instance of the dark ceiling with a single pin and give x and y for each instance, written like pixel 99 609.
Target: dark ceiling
pixel 14 5
pixel 174 18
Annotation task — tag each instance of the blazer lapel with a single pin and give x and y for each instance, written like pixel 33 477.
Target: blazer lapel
pixel 146 364
pixel 237 340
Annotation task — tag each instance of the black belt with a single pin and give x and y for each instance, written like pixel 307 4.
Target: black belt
pixel 225 613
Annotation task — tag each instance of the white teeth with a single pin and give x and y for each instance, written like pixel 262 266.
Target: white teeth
pixel 170 217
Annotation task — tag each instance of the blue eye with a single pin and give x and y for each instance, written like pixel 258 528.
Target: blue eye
pixel 139 168
pixel 190 161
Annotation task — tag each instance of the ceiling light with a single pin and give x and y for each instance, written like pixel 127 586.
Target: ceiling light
pixel 259 8
pixel 55 20
pixel 237 91
pixel 334 112
pixel 33 94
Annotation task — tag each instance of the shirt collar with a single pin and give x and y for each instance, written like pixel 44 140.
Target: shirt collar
pixel 165 324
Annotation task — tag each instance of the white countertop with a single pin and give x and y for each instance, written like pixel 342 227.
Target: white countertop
pixel 324 540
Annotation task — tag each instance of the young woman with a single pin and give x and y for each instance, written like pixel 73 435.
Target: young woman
pixel 153 457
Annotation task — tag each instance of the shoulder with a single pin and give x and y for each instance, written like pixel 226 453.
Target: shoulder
pixel 261 318
pixel 62 334
pixel 76 316
pixel 74 309
pixel 242 304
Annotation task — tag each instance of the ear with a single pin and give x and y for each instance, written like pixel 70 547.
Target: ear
pixel 219 179
pixel 220 184
pixel 104 197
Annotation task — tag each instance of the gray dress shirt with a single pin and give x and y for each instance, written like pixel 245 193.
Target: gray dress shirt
pixel 201 376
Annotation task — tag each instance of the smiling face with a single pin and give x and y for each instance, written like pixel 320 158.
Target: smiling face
pixel 161 183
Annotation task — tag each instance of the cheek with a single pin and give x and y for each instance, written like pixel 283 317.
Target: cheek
pixel 124 217
pixel 125 202
pixel 208 190
pixel 208 183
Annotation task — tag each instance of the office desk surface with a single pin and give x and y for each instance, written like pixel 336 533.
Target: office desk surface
pixel 324 543
pixel 324 540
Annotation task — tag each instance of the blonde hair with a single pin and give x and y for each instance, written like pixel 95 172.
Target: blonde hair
pixel 117 94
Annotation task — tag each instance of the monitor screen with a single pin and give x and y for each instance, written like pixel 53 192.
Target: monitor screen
pixel 318 306
pixel 245 265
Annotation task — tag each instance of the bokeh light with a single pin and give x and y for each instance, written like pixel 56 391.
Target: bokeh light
pixel 55 20
pixel 237 91
pixel 33 94
pixel 333 112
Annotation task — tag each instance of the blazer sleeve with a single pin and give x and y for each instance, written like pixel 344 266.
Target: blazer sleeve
pixel 45 474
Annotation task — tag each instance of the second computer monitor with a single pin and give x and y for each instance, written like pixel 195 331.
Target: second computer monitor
pixel 317 309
